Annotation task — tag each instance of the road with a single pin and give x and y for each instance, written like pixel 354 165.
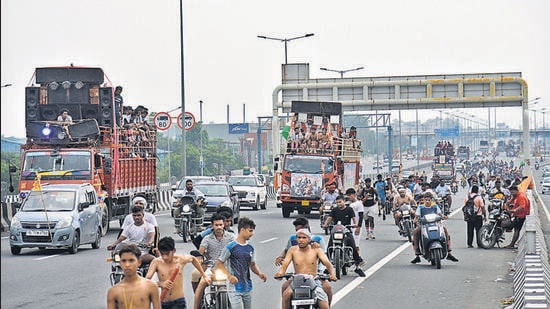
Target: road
pixel 481 279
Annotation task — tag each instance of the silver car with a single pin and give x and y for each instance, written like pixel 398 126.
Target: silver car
pixel 545 185
pixel 57 216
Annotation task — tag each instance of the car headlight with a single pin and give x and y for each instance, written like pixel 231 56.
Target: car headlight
pixel 65 222
pixel 226 203
pixel 15 223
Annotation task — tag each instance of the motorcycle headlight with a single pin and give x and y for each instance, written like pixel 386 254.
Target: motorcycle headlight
pixel 339 236
pixel 65 222
pixel 186 208
pixel 405 212
pixel 219 275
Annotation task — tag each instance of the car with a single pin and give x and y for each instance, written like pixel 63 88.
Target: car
pixel 545 185
pixel 378 165
pixel 219 194
pixel 252 191
pixel 57 216
pixel 545 174
pixel 410 156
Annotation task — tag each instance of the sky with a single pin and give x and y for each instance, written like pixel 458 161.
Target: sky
pixel 137 43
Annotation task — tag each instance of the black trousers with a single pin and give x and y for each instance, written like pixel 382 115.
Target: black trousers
pixel 474 225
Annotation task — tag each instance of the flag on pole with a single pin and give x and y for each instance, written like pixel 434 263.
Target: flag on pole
pixel 286 130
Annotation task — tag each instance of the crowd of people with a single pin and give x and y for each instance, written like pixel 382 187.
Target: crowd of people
pixel 444 148
pixel 304 140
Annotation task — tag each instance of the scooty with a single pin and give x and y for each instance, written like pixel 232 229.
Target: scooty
pixel 433 242
pixel 190 221
pixel 406 225
pixel 339 254
pixel 324 211
pixel 303 287
pixel 493 232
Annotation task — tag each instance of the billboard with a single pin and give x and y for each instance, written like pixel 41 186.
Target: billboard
pixel 238 128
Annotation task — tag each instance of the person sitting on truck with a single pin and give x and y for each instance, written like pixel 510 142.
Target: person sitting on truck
pixel 353 135
pixel 65 118
pixel 325 140
pixel 312 140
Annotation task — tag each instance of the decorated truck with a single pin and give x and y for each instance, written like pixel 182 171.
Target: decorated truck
pixel 317 153
pixel 119 161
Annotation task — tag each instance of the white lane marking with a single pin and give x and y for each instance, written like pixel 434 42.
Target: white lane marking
pixel 46 257
pixel 374 268
pixel 268 240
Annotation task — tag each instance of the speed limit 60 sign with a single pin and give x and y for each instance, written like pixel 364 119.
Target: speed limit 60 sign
pixel 189 121
pixel 163 121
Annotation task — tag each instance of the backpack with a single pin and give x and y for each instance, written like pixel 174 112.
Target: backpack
pixel 469 209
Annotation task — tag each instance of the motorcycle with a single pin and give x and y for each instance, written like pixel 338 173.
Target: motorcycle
pixel 493 232
pixel 303 287
pixel 324 211
pixel 454 187
pixel 443 203
pixel 216 295
pixel 537 165
pixel 433 242
pixel 117 273
pixel 190 220
pixel 406 225
pixel 339 254
pixel 495 203
pixel 463 183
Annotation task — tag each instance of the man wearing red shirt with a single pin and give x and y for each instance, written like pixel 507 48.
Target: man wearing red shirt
pixel 520 208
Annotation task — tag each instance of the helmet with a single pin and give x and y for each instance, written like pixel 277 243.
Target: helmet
pixel 139 199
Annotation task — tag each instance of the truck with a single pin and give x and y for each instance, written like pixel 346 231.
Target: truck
pixel 309 164
pixel 94 148
pixel 463 153
pixel 444 161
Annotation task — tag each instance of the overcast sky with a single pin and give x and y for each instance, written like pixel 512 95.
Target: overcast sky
pixel 137 43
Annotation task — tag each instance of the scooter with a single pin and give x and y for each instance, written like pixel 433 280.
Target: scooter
pixel 303 287
pixel 433 242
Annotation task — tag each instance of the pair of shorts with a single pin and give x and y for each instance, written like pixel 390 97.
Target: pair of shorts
pixel 518 223
pixel 371 211
pixel 174 304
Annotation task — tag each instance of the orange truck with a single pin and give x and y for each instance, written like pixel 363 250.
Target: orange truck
pixel 317 153
pixel 119 161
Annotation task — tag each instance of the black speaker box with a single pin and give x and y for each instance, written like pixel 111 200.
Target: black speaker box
pixel 89 111
pixel 50 112
pixel 106 112
pixel 32 97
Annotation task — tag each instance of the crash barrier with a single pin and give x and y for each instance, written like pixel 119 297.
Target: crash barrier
pixel 532 268
pixel 165 197
pixel 271 192
pixel 8 210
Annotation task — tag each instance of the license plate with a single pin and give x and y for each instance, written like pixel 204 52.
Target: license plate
pixel 432 228
pixel 305 203
pixel 298 302
pixel 37 233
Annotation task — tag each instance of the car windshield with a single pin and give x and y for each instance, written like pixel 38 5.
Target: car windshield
pixel 546 180
pixel 308 164
pixel 243 181
pixel 49 201
pixel 212 189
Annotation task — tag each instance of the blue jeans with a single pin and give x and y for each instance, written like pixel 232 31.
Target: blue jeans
pixel 240 300
pixel 174 304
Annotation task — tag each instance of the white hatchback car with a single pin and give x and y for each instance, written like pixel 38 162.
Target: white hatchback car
pixel 252 191
pixel 545 185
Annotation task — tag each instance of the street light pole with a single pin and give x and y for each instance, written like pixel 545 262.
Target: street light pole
pixel 285 40
pixel 183 139
pixel 342 71
pixel 6 85
pixel 201 161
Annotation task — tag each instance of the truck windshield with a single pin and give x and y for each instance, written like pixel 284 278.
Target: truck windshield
pixel 308 164
pixel 43 161
pixel 49 201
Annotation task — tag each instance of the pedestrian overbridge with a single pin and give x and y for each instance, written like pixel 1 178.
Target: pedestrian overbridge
pixel 478 90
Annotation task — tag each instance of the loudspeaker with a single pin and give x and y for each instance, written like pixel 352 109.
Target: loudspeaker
pixel 58 96
pixel 106 113
pixel 89 111
pixel 32 97
pixel 85 128
pixel 79 96
pixel 50 112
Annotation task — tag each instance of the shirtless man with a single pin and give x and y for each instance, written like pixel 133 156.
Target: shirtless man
pixel 123 294
pixel 164 265
pixel 305 260
pixel 399 200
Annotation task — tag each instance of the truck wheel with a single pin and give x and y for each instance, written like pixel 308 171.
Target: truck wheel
pixel 286 212
pixel 105 220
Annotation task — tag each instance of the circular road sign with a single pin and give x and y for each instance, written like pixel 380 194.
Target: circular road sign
pixel 189 121
pixel 163 121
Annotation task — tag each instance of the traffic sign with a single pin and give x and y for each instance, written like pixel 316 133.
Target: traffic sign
pixel 163 121
pixel 189 121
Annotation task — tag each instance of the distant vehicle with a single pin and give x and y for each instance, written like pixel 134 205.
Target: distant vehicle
pixel 545 174
pixel 410 156
pixel 377 165
pixel 406 174
pixel 251 189
pixel 57 216
pixel 463 153
pixel 545 185
pixel 219 194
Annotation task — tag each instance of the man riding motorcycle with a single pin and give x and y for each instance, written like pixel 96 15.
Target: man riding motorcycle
pixel 400 200
pixel 444 191
pixel 345 215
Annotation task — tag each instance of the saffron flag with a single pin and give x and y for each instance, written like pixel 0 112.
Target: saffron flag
pixel 36 185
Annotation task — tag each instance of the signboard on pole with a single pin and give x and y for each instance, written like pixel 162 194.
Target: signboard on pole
pixel 189 121
pixel 163 121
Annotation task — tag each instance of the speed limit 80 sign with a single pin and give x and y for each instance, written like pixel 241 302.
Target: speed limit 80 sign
pixel 163 121
pixel 189 121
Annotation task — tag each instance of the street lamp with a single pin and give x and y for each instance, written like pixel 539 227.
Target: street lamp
pixel 6 85
pixel 285 40
pixel 201 161
pixel 342 71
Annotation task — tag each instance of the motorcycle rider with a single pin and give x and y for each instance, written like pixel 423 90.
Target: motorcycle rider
pixel 500 192
pixel 330 194
pixel 212 247
pixel 428 206
pixel 317 241
pixel 399 200
pixel 141 232
pixel 345 215
pixel 197 196
pixel 444 191
pixel 147 217
pixel 305 260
